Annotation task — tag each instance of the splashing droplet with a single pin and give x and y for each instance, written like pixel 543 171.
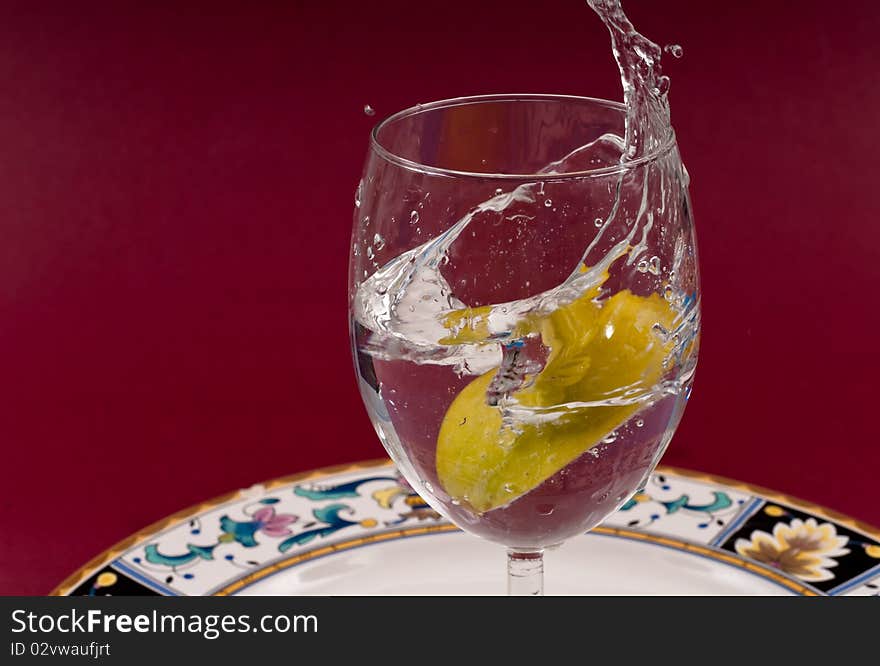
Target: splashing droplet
pixel 662 85
pixel 674 49
pixel 368 110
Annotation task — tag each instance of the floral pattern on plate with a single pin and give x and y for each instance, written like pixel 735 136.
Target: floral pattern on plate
pixel 830 557
pixel 267 525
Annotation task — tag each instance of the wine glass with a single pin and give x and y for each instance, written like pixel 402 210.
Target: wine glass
pixel 524 312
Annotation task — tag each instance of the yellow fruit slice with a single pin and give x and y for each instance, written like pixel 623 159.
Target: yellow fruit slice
pixel 467 325
pixel 596 349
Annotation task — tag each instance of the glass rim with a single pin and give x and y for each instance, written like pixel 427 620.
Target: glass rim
pixel 390 156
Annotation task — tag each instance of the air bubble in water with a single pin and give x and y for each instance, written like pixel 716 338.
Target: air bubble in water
pixel 378 241
pixel 639 423
pixel 508 488
pixel 654 265
pixel 358 193
pixel 674 49
pixel 598 222
pixel 668 293
pixel 368 110
pixel 612 436
pixel 499 191
pixel 370 253
pixel 414 217
pixel 661 330
pixel 548 203
pixel 642 266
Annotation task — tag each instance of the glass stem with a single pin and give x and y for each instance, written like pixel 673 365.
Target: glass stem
pixel 525 573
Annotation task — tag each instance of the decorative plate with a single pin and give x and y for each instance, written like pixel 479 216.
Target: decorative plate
pixel 360 529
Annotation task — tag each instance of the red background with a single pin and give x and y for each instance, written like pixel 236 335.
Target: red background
pixel 176 185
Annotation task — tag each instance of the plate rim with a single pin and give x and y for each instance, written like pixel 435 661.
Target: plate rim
pixel 110 554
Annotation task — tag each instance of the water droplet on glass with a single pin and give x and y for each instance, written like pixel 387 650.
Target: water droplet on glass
pixel 378 241
pixel 368 110
pixel 414 217
pixel 640 423
pixel 508 488
pixel 598 222
pixel 654 265
pixel 548 203
pixel 642 266
pixel 358 193
pixel 675 50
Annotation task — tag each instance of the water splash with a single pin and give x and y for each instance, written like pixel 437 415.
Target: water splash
pixel 644 86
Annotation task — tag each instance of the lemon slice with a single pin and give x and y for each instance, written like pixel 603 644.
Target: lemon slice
pixel 596 349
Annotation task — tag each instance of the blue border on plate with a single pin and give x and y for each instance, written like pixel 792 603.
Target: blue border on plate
pixel 854 582
pixel 748 510
pixel 124 568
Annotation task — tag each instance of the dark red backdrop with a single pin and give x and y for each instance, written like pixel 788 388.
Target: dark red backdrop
pixel 176 185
